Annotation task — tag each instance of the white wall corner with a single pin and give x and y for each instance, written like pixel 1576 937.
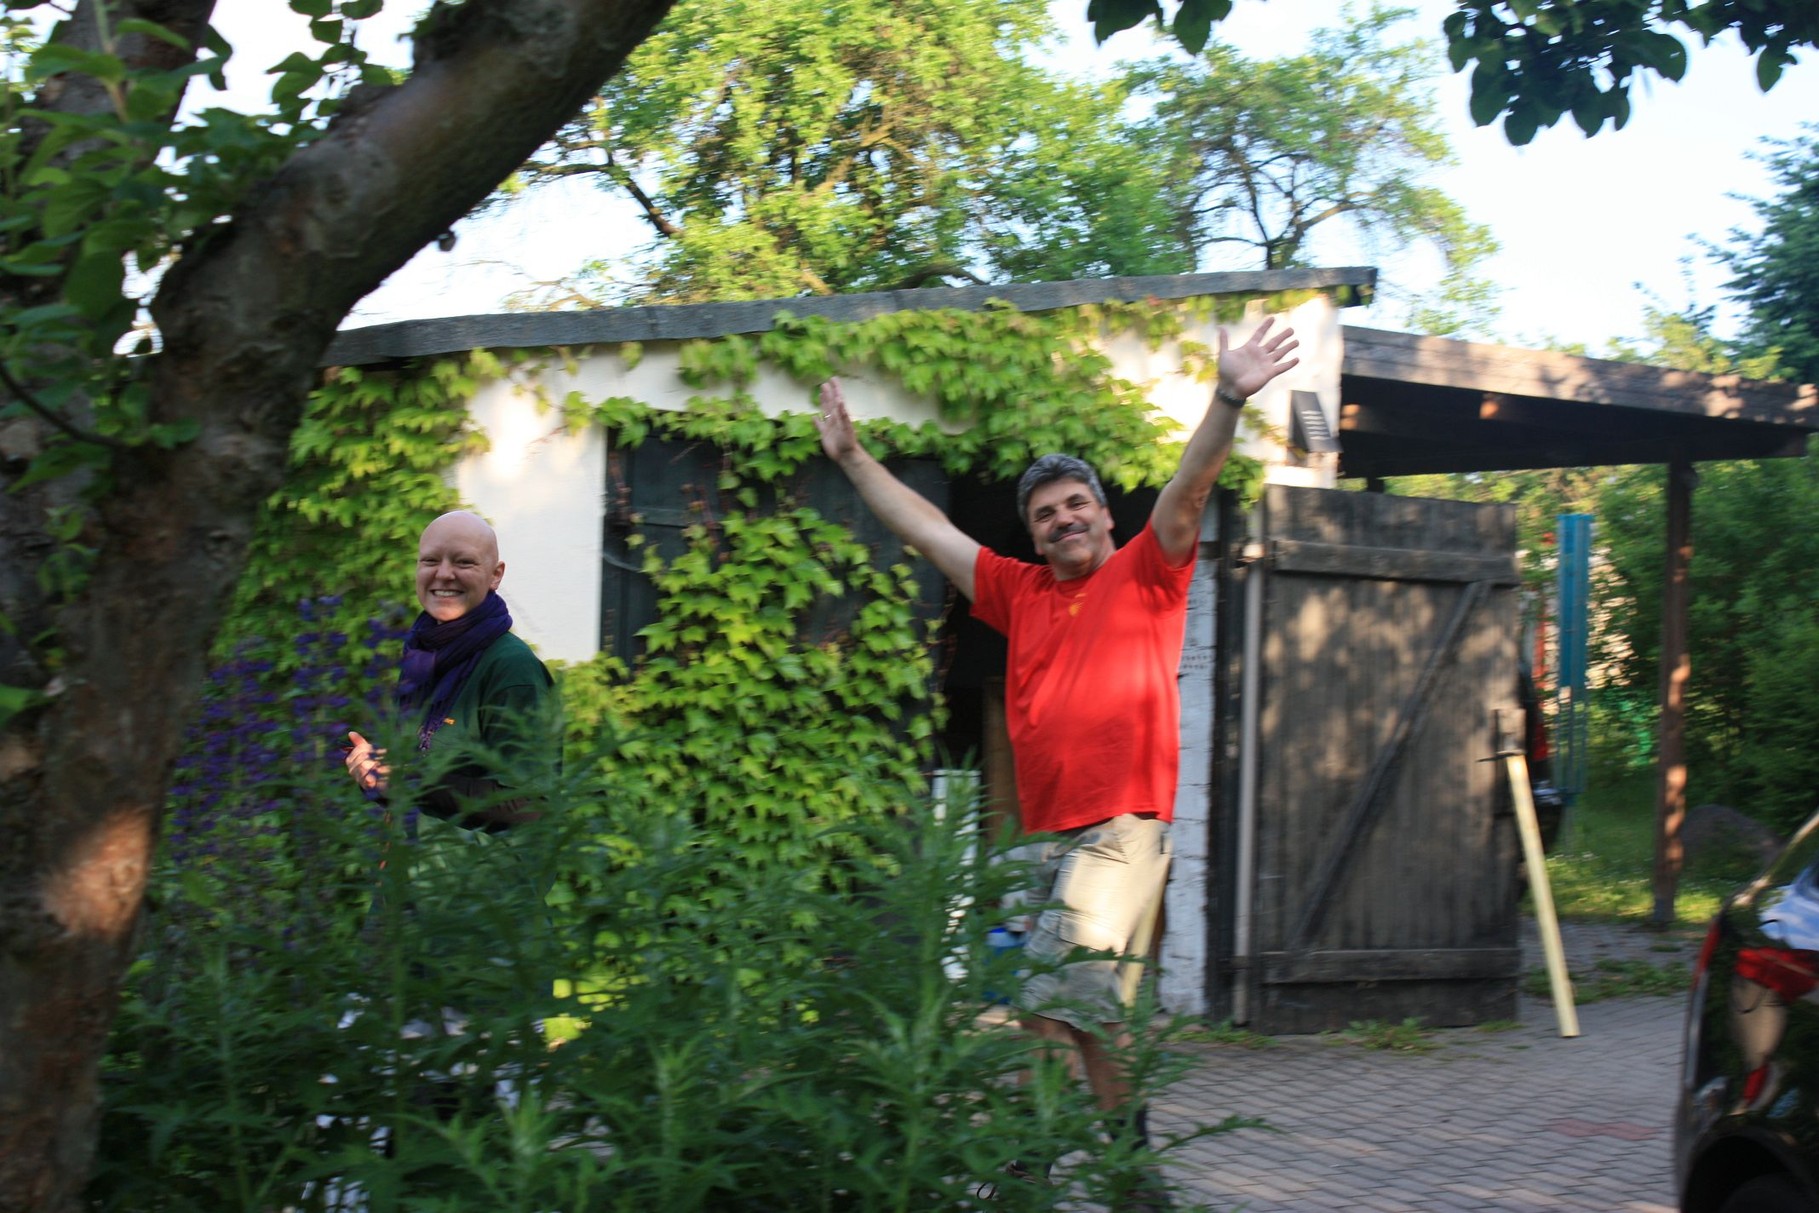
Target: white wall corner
pixel 1182 988
pixel 541 486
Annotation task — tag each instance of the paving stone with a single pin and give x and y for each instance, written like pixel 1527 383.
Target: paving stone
pixel 1506 1122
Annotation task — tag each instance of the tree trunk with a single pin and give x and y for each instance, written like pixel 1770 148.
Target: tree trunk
pixel 1676 673
pixel 245 317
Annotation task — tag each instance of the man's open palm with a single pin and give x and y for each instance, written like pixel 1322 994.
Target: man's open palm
pixel 1245 370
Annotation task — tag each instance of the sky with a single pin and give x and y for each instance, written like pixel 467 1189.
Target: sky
pixel 1591 229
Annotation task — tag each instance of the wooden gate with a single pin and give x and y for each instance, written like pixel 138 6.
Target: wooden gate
pixel 1383 863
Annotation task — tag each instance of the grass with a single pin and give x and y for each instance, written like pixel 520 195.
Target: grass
pixel 1224 1033
pixel 1603 868
pixel 1617 979
pixel 1409 1036
pixel 1603 871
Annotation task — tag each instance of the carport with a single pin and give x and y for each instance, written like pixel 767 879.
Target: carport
pixel 1414 405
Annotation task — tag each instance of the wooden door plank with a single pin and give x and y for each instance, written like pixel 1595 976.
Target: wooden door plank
pixel 1387 964
pixel 1391 564
pixel 1364 806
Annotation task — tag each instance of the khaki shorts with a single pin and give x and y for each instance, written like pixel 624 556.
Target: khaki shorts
pixel 1097 881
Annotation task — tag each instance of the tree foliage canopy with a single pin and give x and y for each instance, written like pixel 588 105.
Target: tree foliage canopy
pixel 1777 267
pixel 1261 153
pixel 1755 651
pixel 913 144
pixel 1535 61
pixel 774 152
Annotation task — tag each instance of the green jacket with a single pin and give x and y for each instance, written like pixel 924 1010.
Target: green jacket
pixel 504 709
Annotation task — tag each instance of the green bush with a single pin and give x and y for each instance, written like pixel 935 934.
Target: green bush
pixel 739 990
pixel 621 1043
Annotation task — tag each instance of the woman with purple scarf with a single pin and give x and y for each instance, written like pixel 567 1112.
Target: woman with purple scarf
pixel 466 683
pixel 481 707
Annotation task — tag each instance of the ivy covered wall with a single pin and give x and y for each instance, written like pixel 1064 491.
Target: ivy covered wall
pixel 785 681
pixel 980 392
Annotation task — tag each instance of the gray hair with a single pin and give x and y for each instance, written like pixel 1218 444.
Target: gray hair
pixel 1049 469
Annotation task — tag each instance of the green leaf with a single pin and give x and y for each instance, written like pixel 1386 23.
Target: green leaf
pixel 60 460
pixel 1109 17
pixel 1768 67
pixel 1662 52
pixel 174 434
pixel 69 208
pixel 54 58
pixel 151 29
pixel 1520 126
pixel 1459 51
pixel 1589 112
pixel 118 235
pixel 1489 95
pixel 14 700
pixel 94 283
pixel 45 314
pixel 1194 22
pixel 293 63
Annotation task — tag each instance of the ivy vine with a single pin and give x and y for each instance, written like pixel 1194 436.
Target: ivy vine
pixel 786 684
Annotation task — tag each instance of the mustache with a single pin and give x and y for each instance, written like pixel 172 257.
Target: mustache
pixel 1062 532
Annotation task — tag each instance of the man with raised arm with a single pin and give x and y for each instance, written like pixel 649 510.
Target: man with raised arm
pixel 1095 636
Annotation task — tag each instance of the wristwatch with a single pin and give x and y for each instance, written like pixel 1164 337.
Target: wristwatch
pixel 1225 397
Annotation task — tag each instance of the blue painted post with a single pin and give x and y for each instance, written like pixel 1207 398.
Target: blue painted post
pixel 1570 704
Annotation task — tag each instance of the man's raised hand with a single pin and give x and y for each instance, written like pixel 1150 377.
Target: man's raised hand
pixel 1246 369
pixel 834 423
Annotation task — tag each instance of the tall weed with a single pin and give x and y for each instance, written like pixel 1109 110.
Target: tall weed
pixel 401 1015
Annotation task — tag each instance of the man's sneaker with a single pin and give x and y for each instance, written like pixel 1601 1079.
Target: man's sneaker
pixel 1016 1172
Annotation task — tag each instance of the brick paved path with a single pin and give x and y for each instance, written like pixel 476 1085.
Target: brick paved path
pixel 1516 1120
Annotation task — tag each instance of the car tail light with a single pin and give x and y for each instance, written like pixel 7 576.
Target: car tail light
pixel 1754 1083
pixel 1790 972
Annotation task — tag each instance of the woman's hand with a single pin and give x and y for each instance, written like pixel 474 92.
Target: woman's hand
pixel 366 764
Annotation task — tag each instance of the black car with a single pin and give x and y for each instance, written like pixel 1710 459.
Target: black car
pixel 1746 1137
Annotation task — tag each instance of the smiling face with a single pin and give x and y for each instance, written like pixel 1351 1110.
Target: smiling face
pixel 1069 527
pixel 457 564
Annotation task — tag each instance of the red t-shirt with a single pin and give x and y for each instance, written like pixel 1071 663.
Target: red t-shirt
pixel 1090 690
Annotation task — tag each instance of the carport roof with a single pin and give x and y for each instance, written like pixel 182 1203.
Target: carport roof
pixel 1411 405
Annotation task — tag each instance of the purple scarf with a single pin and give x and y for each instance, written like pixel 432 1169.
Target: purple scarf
pixel 438 657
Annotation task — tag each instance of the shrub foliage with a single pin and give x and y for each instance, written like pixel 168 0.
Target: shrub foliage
pixel 739 965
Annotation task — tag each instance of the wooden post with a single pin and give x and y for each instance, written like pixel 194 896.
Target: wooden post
pixel 1676 671
pixel 1541 889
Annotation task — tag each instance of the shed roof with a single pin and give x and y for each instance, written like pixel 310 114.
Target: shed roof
pixel 1411 405
pixel 681 322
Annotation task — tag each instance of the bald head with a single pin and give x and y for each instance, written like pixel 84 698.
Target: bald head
pixel 457 565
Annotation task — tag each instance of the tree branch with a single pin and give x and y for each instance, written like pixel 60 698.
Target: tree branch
pixel 25 396
pixel 652 214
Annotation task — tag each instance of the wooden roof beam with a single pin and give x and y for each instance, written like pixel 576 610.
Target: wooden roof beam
pixel 1543 375
pixel 1405 457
